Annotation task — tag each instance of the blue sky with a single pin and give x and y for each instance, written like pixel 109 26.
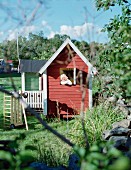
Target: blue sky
pixel 77 18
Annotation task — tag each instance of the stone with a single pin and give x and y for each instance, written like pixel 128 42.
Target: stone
pixel 123 123
pixel 106 134
pixel 112 99
pixel 121 102
pixel 118 131
pixel 124 110
pixel 108 79
pixel 43 166
pixel 128 154
pixel 39 166
pixel 73 162
pixel 119 142
pixel 128 143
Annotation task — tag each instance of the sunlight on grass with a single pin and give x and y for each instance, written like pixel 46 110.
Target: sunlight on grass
pixel 50 149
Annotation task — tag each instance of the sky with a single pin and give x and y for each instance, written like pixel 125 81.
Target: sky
pixel 77 18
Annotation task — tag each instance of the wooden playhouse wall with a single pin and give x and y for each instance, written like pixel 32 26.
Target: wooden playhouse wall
pixel 63 98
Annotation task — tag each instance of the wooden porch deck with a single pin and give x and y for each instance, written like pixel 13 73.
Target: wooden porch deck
pixel 35 99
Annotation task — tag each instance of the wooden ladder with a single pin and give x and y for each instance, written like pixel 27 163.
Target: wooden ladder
pixel 7 110
pixel 13 112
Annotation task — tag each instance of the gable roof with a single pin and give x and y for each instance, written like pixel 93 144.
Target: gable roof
pixel 31 66
pixel 67 41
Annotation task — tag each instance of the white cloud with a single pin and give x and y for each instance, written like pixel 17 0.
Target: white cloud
pixel 87 31
pixel 77 32
pixel 52 34
pixel 44 23
pixel 27 29
pixel 12 34
pixel 24 31
pixel 1 33
pixel 46 26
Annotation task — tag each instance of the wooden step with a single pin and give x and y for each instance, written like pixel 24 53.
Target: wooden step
pixel 68 116
pixel 65 113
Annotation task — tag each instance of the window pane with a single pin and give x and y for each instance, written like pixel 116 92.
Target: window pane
pixel 31 81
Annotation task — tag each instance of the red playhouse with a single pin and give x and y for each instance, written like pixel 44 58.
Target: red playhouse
pixel 61 86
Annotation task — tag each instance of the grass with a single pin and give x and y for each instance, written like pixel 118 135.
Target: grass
pixel 50 149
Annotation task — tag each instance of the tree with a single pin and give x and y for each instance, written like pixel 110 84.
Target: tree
pixel 117 52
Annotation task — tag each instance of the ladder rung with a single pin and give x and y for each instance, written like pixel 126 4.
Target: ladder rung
pixel 7 120
pixel 7 113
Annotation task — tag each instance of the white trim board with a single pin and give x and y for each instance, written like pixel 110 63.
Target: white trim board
pixel 23 81
pixel 67 41
pixel 45 92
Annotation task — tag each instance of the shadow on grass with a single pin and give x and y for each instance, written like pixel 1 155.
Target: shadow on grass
pixel 13 74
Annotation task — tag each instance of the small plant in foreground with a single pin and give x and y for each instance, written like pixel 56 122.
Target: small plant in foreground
pixel 102 156
pixel 18 160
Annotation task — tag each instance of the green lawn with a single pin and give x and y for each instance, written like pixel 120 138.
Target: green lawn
pixel 51 149
pixel 46 143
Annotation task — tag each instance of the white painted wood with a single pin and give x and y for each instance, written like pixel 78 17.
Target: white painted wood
pixel 74 76
pixel 40 83
pixel 35 99
pixel 67 41
pixel 45 92
pixel 23 81
pixel 26 124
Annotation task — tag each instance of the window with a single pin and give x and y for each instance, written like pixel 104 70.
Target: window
pixel 72 76
pixel 67 76
pixel 31 81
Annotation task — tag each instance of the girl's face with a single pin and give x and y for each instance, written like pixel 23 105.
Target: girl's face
pixel 64 78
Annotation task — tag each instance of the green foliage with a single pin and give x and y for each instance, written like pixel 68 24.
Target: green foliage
pixel 20 159
pixel 96 121
pixel 101 156
pixel 35 47
pixel 53 153
pixel 106 4
pixel 117 51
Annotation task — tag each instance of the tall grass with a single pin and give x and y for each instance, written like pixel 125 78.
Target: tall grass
pixel 97 120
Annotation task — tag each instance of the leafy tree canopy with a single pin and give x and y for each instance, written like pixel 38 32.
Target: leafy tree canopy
pixel 36 46
pixel 117 53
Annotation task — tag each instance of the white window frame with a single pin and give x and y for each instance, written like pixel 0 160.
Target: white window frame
pixel 74 74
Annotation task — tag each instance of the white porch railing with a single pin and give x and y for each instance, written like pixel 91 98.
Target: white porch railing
pixel 34 99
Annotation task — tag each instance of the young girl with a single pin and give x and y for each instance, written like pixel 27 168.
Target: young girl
pixel 65 80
